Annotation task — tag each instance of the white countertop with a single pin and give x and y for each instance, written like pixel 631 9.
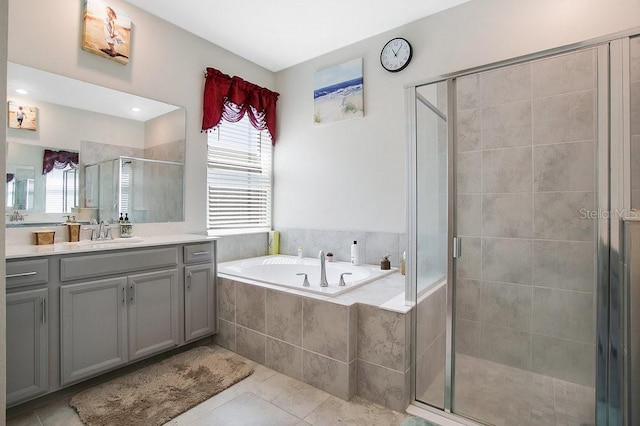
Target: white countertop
pixel 85 246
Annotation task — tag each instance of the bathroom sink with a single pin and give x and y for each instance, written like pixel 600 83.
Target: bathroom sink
pixel 115 241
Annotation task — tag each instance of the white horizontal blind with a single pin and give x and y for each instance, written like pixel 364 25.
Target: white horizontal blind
pixel 61 190
pixel 239 177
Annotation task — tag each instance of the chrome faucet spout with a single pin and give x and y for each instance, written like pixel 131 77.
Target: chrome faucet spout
pixel 323 271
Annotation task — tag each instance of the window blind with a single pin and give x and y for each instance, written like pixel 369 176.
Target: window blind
pixel 239 177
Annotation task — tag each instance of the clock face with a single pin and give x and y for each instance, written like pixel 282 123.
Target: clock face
pixel 396 55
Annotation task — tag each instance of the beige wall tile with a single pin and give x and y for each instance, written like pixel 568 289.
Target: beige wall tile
pixel 250 306
pixel 564 118
pixel 565 314
pixel 284 316
pixel 564 73
pixel 565 167
pixel 381 337
pixel 327 374
pixel 507 170
pixel 326 328
pixel 250 344
pixel 506 125
pixel 504 85
pixel 283 357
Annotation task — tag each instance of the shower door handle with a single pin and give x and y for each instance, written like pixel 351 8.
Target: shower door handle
pixel 457 247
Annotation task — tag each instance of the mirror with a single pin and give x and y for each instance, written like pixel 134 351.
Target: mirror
pixel 102 125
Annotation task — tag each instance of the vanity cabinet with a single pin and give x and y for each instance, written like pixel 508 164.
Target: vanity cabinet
pixel 27 345
pixel 153 313
pixel 75 315
pixel 93 328
pixel 199 301
pixel 199 290
pixel 110 322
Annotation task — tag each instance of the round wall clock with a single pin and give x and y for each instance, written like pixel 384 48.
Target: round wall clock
pixel 396 55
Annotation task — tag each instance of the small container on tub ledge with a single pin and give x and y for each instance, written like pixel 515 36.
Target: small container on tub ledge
pixel 355 253
pixel 385 264
pixel 329 257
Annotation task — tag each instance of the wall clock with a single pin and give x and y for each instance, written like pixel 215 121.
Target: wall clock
pixel 396 55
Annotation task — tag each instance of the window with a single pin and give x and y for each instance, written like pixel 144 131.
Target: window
pixel 239 177
pixel 61 190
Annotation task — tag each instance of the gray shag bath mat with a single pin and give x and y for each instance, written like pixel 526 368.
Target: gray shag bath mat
pixel 159 392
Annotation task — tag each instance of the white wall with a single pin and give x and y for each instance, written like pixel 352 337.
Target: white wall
pixel 63 127
pixel 350 175
pixel 166 64
pixel 164 129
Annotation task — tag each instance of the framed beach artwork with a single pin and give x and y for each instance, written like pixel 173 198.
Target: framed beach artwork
pixel 338 92
pixel 107 31
pixel 22 117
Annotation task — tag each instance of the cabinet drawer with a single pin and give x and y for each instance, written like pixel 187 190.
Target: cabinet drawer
pixel 27 272
pixel 122 262
pixel 195 253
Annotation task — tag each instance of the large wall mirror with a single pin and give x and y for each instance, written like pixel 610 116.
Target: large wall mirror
pixel 78 149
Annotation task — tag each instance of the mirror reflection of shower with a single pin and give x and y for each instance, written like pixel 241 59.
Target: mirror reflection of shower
pixel 143 189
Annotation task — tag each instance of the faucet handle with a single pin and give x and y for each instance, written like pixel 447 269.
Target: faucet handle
pixel 305 283
pixel 342 283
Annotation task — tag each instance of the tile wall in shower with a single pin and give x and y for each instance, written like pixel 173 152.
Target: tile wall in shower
pixel 526 169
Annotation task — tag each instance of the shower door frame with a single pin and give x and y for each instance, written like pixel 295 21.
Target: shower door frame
pixel 613 196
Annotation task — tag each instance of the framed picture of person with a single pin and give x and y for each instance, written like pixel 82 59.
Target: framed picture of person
pixel 107 31
pixel 22 117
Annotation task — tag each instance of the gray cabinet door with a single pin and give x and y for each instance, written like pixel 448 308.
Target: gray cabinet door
pixel 27 345
pixel 153 313
pixel 199 301
pixel 93 329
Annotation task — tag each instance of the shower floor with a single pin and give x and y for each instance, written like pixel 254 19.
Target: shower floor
pixel 504 396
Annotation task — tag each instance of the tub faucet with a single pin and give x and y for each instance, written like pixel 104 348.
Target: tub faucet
pixel 323 271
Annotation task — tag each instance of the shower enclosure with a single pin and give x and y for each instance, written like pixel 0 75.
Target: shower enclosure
pixel 514 221
pixel 145 190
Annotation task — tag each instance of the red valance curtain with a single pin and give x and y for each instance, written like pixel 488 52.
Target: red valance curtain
pixel 58 160
pixel 232 97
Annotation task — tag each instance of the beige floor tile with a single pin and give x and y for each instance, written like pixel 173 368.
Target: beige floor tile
pixel 247 409
pixel 26 419
pixel 291 395
pixel 357 412
pixel 58 413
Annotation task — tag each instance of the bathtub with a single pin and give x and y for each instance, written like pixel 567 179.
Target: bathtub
pixel 281 270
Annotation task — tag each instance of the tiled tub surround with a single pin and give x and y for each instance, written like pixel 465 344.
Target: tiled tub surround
pixel 354 344
pixel 373 245
pixel 526 167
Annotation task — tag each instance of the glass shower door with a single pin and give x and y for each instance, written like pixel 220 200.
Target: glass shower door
pixel 527 202
pixel 431 232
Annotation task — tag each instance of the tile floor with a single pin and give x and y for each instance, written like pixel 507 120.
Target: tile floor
pixel 505 396
pixel 264 398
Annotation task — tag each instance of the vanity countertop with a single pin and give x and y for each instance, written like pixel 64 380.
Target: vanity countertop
pixel 85 246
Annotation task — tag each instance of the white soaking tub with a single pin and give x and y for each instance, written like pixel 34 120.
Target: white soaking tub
pixel 281 270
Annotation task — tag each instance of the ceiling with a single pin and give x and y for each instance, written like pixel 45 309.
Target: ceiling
pixel 278 34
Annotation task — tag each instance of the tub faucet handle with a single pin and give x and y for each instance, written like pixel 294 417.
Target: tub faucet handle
pixel 305 283
pixel 342 283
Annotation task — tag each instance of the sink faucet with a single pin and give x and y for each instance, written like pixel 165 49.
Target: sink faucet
pixel 104 232
pixel 323 271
